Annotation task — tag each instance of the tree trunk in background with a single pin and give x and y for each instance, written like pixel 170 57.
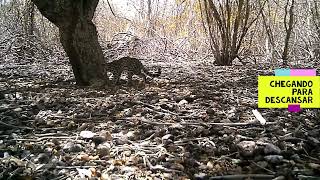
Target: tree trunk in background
pixel 149 20
pixel 28 28
pixel 289 27
pixel 28 18
pixel 316 22
pixel 78 36
pixel 269 41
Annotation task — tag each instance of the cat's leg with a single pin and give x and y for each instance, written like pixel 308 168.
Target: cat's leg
pixel 129 77
pixel 116 77
pixel 144 77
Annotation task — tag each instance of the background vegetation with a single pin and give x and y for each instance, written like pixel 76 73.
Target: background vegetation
pixel 263 30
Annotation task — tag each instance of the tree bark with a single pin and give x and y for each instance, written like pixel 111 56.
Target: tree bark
pixel 28 18
pixel 289 28
pixel 78 36
pixel 150 25
pixel 28 28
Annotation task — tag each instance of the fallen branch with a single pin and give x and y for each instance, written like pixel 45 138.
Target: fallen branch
pixel 154 108
pixel 13 126
pixel 48 137
pixel 74 167
pixel 195 123
pixel 158 167
pixel 243 176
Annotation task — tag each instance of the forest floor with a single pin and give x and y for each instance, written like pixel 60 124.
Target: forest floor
pixel 193 122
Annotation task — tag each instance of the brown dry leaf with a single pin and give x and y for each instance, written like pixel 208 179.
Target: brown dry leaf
pixel 106 134
pixel 118 162
pixel 94 157
pixel 119 115
pixel 133 160
pixel 93 171
pixel 83 157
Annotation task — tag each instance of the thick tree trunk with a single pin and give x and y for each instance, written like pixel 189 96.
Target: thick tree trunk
pixel 78 36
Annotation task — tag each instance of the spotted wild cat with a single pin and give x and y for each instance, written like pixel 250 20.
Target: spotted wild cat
pixel 132 66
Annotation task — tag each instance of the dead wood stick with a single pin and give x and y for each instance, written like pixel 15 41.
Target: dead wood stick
pixel 48 137
pixel 51 134
pixel 308 177
pixel 74 167
pixel 158 167
pixel 13 126
pixel 312 158
pixel 195 123
pixel 155 108
pixel 157 111
pixel 243 176
pixel 268 170
pixel 188 140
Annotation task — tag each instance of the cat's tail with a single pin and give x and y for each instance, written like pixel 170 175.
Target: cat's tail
pixel 157 74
